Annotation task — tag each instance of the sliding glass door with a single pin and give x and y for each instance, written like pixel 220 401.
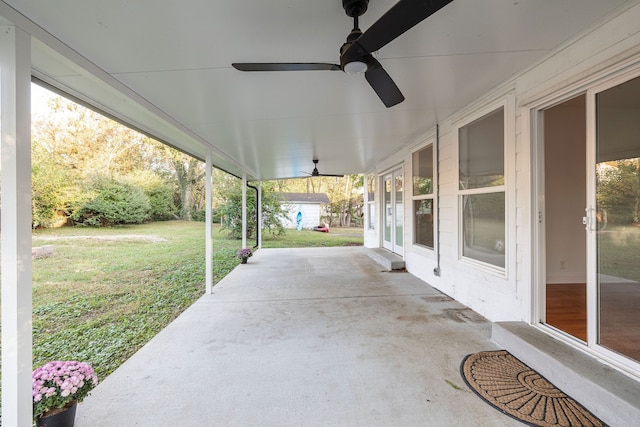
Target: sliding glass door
pixel 616 222
pixel 589 218
pixel 393 208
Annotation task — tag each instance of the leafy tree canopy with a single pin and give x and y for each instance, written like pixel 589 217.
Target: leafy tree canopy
pixel 231 209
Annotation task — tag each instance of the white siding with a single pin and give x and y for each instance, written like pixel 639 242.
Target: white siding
pixel 310 215
pixel 573 67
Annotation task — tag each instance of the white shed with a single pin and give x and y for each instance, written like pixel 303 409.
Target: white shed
pixel 303 210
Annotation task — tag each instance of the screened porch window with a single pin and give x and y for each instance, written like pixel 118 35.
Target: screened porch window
pixel 482 189
pixel 423 208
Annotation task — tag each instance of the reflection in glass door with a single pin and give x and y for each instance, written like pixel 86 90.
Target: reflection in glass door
pixel 398 217
pixel 388 213
pixel 617 217
pixel 393 217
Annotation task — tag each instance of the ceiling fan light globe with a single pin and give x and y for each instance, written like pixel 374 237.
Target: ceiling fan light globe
pixel 355 67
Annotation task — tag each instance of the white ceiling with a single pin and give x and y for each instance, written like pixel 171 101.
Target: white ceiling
pixel 165 67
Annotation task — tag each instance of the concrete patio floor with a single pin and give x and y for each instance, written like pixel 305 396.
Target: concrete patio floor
pixel 304 337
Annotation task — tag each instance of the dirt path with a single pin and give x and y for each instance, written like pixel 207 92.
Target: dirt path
pixel 153 239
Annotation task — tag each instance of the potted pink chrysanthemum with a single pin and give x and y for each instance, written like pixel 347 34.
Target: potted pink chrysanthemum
pixel 57 387
pixel 244 254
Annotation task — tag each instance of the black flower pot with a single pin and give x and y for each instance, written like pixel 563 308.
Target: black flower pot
pixel 65 418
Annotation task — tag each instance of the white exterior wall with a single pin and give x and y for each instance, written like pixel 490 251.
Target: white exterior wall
pixel 310 215
pixel 490 293
pixel 372 237
pixel 604 50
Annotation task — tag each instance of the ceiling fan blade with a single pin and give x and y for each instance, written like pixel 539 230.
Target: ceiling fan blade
pixel 285 66
pixel 328 174
pixel 382 83
pixel 400 18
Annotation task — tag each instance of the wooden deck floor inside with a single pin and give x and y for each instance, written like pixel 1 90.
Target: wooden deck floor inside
pixel 566 310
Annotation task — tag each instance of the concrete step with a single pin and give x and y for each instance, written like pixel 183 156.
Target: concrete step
pixel 387 259
pixel 611 395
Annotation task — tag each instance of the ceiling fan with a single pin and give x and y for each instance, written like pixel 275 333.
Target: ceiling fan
pixel 316 173
pixel 356 53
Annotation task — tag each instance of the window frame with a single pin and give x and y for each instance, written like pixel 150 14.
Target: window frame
pixel 507 108
pixel 430 196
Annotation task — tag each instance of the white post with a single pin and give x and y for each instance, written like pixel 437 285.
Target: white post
pixel 15 154
pixel 208 228
pixel 259 225
pixel 244 209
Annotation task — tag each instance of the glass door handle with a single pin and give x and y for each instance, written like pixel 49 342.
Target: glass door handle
pixel 587 220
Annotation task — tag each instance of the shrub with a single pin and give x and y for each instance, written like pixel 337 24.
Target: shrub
pixel 52 190
pixel 111 202
pixel 159 192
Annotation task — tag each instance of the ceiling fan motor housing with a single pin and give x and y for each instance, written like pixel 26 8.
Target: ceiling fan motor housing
pixel 355 7
pixel 354 55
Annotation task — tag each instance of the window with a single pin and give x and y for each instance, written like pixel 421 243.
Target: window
pixel 371 207
pixel 482 189
pixel 423 197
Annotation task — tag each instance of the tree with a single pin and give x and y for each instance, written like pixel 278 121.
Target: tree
pixel 53 189
pixel 346 200
pixel 619 191
pixel 231 209
pixel 85 141
pixel 188 173
pixel 73 145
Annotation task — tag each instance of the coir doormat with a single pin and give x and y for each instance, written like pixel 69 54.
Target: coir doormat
pixel 520 392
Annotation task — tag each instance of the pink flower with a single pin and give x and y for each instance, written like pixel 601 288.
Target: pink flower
pixel 59 382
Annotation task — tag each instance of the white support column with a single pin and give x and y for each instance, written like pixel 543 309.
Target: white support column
pixel 15 154
pixel 244 209
pixel 259 225
pixel 208 228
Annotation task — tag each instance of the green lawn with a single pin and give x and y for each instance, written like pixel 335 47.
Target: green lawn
pixel 619 251
pixel 105 292
pixel 308 238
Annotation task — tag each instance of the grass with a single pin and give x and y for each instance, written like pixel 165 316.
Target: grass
pixel 309 238
pixel 99 300
pixel 106 292
pixel 619 251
